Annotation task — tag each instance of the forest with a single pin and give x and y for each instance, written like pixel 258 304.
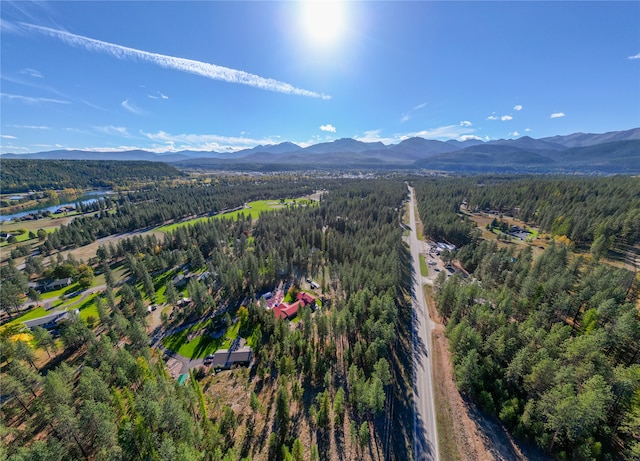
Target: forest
pixel 544 340
pixel 38 175
pixel 549 344
pixel 334 382
pixel 153 206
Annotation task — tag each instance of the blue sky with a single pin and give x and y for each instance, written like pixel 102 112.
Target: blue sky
pixel 168 76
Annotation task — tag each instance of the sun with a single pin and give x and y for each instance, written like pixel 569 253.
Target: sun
pixel 323 21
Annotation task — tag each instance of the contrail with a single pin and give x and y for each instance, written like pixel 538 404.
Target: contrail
pixel 191 66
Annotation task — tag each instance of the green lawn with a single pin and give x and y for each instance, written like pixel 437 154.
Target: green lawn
pixel 424 269
pixel 33 314
pixel 255 208
pixel 62 291
pixel 87 308
pixel 25 237
pixel 171 227
pixel 19 238
pixel 200 346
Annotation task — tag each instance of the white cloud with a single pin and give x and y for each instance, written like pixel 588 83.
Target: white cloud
pixel 465 123
pixel 517 107
pixel 77 131
pixel 11 149
pixel 557 115
pixel 7 136
pixel 31 73
pixel 442 132
pixel 514 134
pixel 158 95
pixel 131 107
pixel 31 127
pixel 32 100
pixel 167 142
pixel 328 127
pixel 92 105
pixel 467 137
pixel 493 116
pixel 505 118
pixel 635 56
pixel 112 130
pixel 527 129
pixel 374 136
pixel 190 66
pixel 409 115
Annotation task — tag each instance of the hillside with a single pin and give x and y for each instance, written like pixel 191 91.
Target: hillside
pixel 606 153
pixel 24 175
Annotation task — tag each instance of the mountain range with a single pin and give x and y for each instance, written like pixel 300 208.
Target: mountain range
pixel 612 152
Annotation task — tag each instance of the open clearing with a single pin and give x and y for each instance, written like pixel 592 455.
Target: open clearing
pixel 252 208
pixel 202 345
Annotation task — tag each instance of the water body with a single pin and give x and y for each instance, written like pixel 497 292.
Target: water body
pixel 88 197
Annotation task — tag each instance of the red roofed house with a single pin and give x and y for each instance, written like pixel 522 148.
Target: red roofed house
pixel 306 298
pixel 288 311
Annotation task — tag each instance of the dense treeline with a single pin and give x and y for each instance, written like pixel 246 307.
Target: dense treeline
pixel 439 201
pixel 25 175
pixel 155 206
pixel 340 369
pixel 550 345
pixel 585 210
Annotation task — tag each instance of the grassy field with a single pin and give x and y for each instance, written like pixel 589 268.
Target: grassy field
pixel 419 227
pixel 33 314
pixel 62 302
pixel 200 346
pixel 424 270
pixel 253 208
pixel 88 307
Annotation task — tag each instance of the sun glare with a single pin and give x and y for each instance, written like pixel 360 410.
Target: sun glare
pixel 323 22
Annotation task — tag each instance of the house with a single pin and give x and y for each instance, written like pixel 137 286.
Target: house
pixel 307 298
pixel 226 358
pixel 65 209
pixel 38 286
pixel 57 284
pixel 49 322
pixel 288 311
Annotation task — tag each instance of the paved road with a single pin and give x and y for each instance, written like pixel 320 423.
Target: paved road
pixel 425 434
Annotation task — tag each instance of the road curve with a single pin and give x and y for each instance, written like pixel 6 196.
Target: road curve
pixel 425 435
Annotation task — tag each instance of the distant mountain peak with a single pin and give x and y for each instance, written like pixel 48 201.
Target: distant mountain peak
pixel 612 152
